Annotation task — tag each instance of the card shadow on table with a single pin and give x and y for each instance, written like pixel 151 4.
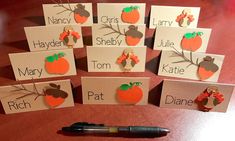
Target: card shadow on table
pixel 1 109
pixel 155 95
pixel 77 94
pixel 149 42
pixel 147 20
pixel 81 63
pixel 153 64
pixel 7 72
pixel 21 44
pixel 87 40
pixel 36 19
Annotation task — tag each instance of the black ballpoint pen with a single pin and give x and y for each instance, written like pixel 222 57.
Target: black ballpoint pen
pixel 84 128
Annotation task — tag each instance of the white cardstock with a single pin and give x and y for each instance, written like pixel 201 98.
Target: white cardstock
pixel 36 96
pixel 54 37
pixel 173 16
pixel 116 59
pixel 115 90
pixel 184 94
pixel 118 35
pixel 122 13
pixel 43 64
pixel 68 13
pixel 188 39
pixel 196 66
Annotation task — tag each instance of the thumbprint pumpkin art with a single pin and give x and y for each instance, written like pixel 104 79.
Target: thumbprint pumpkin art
pixel 52 94
pixel 69 36
pixel 130 93
pixel 185 18
pixel 132 35
pixel 209 98
pixel 56 64
pixel 191 41
pixel 80 13
pixel 130 14
pixel 128 59
pixel 205 69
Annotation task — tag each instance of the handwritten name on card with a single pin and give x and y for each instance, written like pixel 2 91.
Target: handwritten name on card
pixel 118 35
pixel 203 96
pixel 188 39
pixel 196 66
pixel 68 13
pixel 115 90
pixel 54 37
pixel 122 13
pixel 43 64
pixel 173 16
pixel 36 96
pixel 116 59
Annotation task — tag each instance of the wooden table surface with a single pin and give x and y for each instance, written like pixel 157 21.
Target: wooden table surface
pixel 185 125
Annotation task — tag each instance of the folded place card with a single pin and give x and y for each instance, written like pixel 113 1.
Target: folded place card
pixel 118 35
pixel 115 90
pixel 54 37
pixel 188 39
pixel 116 59
pixel 174 16
pixel 36 96
pixel 197 66
pixel 203 96
pixel 122 13
pixel 43 64
pixel 68 13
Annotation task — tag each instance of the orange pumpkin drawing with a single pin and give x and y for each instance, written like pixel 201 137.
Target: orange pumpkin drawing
pixel 130 93
pixel 56 64
pixel 130 15
pixel 191 41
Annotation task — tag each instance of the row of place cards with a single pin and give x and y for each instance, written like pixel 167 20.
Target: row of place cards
pixel 70 36
pixel 55 63
pixel 181 94
pixel 122 13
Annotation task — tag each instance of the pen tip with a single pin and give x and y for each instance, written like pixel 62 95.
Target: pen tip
pixel 66 129
pixel 166 130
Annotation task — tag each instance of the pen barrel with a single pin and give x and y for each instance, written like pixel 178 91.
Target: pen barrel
pixel 143 131
pixel 96 129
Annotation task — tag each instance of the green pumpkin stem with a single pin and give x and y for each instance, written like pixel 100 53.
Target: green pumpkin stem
pixel 192 35
pixel 129 9
pixel 199 33
pixel 55 57
pixel 61 54
pixel 124 87
pixel 130 85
